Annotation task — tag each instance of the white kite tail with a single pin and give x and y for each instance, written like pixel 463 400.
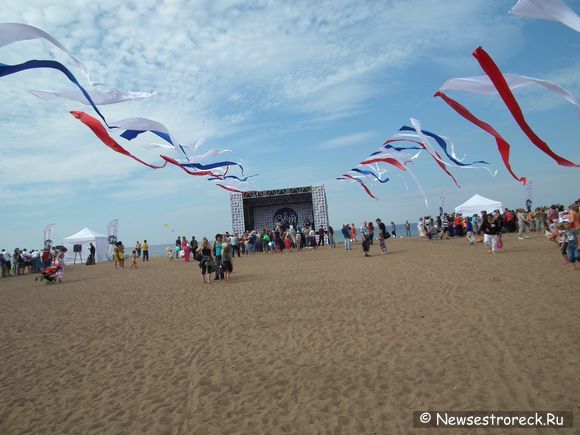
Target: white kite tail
pixel 14 32
pixel 553 10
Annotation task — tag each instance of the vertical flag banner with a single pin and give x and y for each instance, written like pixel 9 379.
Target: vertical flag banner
pixel 441 203
pixel 49 235
pixel 528 195
pixel 112 231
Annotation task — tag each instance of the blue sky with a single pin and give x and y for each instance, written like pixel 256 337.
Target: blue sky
pixel 300 91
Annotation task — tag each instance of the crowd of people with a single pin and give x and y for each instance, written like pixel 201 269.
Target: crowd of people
pixel 22 261
pixel 561 225
pixel 558 223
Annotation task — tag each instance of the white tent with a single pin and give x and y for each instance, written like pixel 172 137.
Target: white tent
pixel 476 204
pixel 84 237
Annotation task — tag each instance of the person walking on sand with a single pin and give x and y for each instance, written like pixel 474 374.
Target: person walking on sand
pixel 407 229
pixel 393 229
pixel 134 257
pixel 382 235
pixel 366 242
pixel 491 230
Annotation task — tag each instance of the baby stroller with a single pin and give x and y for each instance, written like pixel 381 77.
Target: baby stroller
pixel 50 274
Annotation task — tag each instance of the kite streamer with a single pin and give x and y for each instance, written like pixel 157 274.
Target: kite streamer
pixel 371 173
pixel 112 96
pixel 231 188
pixel 425 143
pixel 482 85
pixel 6 70
pixel 493 72
pixel 233 177
pixel 443 144
pixel 141 124
pixel 197 173
pixel 14 32
pixel 363 185
pixel 212 165
pixel 389 160
pixel 102 134
pixel 553 10
pixel 502 145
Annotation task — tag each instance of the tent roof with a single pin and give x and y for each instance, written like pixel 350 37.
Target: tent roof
pixel 85 233
pixel 478 200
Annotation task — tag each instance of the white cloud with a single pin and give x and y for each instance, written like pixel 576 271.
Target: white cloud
pixel 349 140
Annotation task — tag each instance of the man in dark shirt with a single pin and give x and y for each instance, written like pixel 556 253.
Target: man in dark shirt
pixel 92 251
pixel 321 236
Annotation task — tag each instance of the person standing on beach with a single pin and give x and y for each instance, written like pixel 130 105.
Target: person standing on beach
pixel 92 252
pixel 421 228
pixel 5 262
pixel 185 246
pixel 382 235
pixel 312 237
pixel 193 247
pixel 444 227
pixel 206 263
pixel 321 236
pixel 393 230
pixel 227 261
pixel 366 243
pixel 116 255
pixel 217 253
pixel 331 241
pixel 522 225
pixel 138 249
pixel 346 234
pixel 121 255
pixel 407 229
pixel 353 233
pixel 145 247
pixel 371 232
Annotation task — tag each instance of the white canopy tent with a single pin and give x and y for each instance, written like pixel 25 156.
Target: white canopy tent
pixel 84 237
pixel 476 204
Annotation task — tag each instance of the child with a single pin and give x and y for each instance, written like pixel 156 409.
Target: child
pixel 469 231
pixel 288 242
pixel 571 237
pixel 169 252
pixel 227 259
pixel 134 258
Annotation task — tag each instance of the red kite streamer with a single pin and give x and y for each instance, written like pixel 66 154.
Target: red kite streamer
pixel 498 80
pixel 502 145
pixel 97 128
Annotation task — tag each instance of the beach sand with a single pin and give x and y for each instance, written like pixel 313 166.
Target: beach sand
pixel 319 341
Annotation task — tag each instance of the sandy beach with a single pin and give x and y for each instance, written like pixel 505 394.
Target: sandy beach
pixel 319 341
